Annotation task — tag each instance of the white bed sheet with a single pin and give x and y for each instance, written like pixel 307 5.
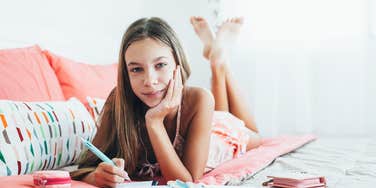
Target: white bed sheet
pixel 345 162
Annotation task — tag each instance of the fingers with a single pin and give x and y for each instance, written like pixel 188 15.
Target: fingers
pixel 170 89
pixel 113 170
pixel 178 87
pixel 110 175
pixel 104 178
pixel 175 80
pixel 120 164
pixel 173 94
pixel 175 88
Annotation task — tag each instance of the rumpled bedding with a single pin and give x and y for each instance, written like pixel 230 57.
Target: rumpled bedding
pixel 345 162
pixel 236 170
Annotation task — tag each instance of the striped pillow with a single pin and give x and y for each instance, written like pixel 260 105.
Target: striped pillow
pixel 42 135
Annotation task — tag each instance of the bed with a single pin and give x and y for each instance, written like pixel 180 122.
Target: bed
pixel 345 162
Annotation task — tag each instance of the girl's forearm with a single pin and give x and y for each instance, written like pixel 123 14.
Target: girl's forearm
pixel 171 166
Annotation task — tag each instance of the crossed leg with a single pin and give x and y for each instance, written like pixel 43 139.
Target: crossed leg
pixel 227 94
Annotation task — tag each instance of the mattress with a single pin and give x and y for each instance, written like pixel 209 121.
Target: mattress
pixel 345 162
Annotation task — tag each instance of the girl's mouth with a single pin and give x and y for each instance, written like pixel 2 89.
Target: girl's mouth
pixel 154 94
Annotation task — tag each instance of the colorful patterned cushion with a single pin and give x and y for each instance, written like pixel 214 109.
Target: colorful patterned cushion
pixel 42 135
pixel 95 106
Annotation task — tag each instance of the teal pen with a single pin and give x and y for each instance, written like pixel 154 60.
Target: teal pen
pixel 99 154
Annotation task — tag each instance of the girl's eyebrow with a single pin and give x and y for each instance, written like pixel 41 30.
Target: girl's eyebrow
pixel 133 63
pixel 155 59
pixel 159 58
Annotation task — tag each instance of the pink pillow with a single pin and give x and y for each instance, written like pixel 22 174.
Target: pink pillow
pixel 26 75
pixel 81 80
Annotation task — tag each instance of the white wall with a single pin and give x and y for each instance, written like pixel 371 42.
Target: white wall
pixel 90 30
pixel 83 30
pixel 305 65
pixel 309 61
pixel 371 66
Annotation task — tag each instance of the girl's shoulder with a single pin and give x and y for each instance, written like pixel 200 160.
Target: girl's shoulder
pixel 196 100
pixel 197 96
pixel 197 93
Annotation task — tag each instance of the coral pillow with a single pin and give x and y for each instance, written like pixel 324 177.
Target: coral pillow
pixel 42 135
pixel 26 75
pixel 81 80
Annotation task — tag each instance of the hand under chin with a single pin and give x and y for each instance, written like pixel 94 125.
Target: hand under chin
pixel 152 104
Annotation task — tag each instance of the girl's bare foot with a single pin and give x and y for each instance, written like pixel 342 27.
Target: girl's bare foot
pixel 203 31
pixel 225 38
pixel 229 30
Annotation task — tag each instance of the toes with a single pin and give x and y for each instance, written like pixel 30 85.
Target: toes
pixel 192 20
pixel 199 18
pixel 240 20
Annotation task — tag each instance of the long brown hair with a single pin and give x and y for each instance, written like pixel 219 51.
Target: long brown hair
pixel 122 130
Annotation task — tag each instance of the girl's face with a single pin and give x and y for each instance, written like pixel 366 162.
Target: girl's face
pixel 150 66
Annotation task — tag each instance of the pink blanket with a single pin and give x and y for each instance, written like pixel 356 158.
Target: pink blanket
pixel 244 166
pixel 255 160
pixel 26 181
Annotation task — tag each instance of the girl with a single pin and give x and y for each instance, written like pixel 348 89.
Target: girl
pixel 152 124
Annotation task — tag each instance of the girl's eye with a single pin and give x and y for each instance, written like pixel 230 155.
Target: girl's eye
pixel 136 69
pixel 160 65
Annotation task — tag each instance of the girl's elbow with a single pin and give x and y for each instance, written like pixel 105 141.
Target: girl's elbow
pixel 186 178
pixel 196 178
pixel 192 178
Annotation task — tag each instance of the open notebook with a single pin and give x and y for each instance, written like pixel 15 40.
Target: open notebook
pixel 135 184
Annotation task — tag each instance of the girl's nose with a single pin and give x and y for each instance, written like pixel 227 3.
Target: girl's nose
pixel 150 78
